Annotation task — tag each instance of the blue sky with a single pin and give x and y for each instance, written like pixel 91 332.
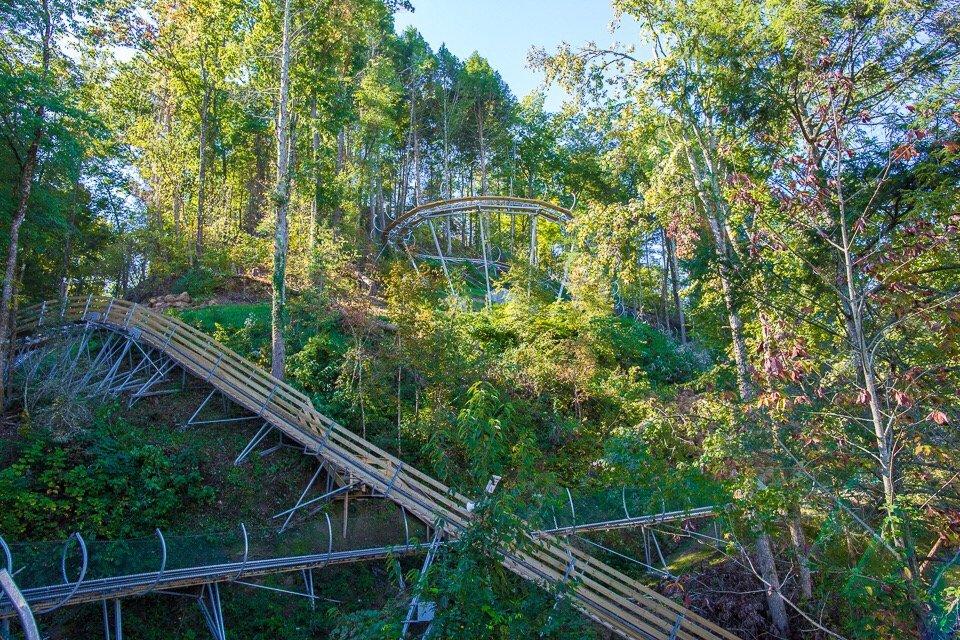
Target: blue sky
pixel 504 30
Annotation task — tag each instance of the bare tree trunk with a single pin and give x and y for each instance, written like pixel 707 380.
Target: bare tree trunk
pixel 177 206
pixel 854 302
pixel 416 151
pixel 768 571
pixel 315 203
pixel 483 155
pixel 675 280
pixel 202 171
pixel 799 539
pixel 341 163
pixel 665 283
pixel 278 311
pixel 372 202
pixel 447 187
pixel 63 284
pixel 24 187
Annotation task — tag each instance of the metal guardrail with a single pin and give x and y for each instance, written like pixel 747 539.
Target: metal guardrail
pixel 55 574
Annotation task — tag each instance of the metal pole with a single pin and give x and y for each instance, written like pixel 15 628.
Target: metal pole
pixel 483 245
pixel 443 261
pixel 202 405
pixel 117 620
pixel 302 496
pixel 260 435
pixel 27 621
pixel 308 582
pixel 422 577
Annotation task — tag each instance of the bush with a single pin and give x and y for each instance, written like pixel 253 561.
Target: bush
pixel 200 282
pixel 108 483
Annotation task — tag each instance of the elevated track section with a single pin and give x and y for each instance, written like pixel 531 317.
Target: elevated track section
pixel 606 595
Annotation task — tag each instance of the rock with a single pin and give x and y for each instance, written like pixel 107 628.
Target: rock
pixel 169 297
pixel 184 297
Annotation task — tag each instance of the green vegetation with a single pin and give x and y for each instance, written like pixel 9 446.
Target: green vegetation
pixel 755 303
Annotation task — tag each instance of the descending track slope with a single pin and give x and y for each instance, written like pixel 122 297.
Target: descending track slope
pixel 604 594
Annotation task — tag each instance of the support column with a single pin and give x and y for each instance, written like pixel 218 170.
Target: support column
pixel 415 601
pixel 483 244
pixel 209 602
pixel 116 624
pixel 257 438
pixel 443 261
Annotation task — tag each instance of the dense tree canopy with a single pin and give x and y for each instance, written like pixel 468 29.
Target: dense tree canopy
pixel 759 291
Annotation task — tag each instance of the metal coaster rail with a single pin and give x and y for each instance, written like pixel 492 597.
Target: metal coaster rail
pixel 505 204
pixel 606 595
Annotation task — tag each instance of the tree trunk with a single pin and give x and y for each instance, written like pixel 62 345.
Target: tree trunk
pixel 799 539
pixel 341 163
pixel 416 152
pixel 665 283
pixel 675 280
pixel 483 155
pixel 63 284
pixel 24 186
pixel 447 187
pixel 315 203
pixel 768 571
pixel 202 172
pixel 278 311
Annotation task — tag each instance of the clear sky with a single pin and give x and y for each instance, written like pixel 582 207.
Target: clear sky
pixel 504 30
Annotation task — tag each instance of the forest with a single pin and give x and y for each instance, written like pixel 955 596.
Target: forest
pixel 679 358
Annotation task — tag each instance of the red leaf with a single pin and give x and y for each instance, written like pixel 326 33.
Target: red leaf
pixel 938 417
pixel 905 152
pixel 902 399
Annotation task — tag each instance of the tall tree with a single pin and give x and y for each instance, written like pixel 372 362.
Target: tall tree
pixel 39 20
pixel 281 241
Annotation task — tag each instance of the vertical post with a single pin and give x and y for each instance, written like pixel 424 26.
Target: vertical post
pixel 308 582
pixel 483 244
pixel 443 261
pixel 117 620
pixel 346 506
pixel 106 620
pixel 533 240
pixel 209 602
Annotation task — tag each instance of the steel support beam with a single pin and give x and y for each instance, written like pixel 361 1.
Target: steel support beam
pixel 209 602
pixel 415 601
pixel 263 432
pixel 116 624
pixel 27 621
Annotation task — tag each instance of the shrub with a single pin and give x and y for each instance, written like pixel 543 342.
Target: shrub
pixel 107 483
pixel 200 282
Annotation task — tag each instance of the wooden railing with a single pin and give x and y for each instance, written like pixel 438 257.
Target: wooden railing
pixel 606 595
